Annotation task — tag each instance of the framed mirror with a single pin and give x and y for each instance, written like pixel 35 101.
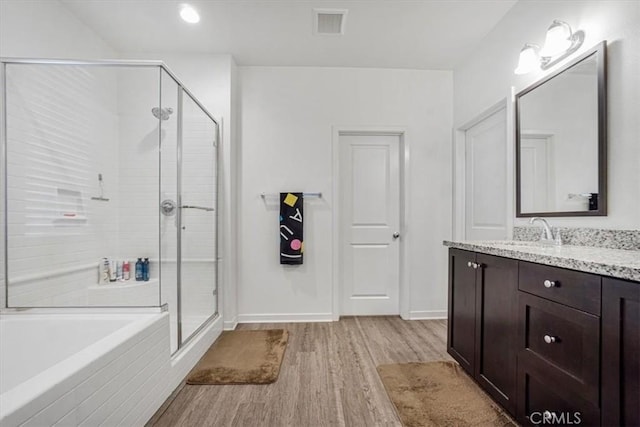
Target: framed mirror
pixel 561 147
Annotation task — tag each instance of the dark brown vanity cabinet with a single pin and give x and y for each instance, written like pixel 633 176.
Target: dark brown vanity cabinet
pixel 551 345
pixel 620 352
pixel 482 321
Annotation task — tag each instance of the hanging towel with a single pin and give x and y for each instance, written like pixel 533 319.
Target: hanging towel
pixel 291 242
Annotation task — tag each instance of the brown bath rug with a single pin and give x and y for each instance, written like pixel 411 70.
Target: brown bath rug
pixel 439 394
pixel 242 357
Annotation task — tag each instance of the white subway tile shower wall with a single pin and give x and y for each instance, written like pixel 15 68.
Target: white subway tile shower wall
pixel 61 128
pixel 66 125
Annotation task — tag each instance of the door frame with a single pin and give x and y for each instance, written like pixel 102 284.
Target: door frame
pixel 459 166
pixel 404 163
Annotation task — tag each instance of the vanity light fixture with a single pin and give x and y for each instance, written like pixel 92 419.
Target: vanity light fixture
pixel 560 42
pixel 529 59
pixel 189 14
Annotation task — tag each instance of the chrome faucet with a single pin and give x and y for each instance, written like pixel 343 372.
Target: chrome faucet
pixel 548 234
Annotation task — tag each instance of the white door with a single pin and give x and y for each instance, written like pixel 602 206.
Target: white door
pixel 370 224
pixel 486 179
pixel 536 173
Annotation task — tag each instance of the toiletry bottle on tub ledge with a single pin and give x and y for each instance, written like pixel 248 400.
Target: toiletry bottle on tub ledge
pixel 112 271
pixel 126 271
pixel 103 268
pixel 145 270
pixel 139 270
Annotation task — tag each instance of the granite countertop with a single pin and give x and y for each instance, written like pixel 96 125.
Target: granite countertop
pixel 620 263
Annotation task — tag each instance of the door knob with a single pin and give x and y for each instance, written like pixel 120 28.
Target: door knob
pixel 396 235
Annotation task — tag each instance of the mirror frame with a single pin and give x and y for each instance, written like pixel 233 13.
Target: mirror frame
pixel 599 52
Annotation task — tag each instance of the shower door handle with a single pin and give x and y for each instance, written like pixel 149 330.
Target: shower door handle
pixel 202 208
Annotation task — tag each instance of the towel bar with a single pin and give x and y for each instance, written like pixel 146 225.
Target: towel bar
pixel 318 195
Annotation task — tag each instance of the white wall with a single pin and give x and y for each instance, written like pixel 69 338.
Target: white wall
pixel 487 76
pixel 47 29
pixel 286 123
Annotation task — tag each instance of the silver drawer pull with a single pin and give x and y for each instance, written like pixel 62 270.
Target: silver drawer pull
pixel 549 284
pixel 549 339
pixel 470 264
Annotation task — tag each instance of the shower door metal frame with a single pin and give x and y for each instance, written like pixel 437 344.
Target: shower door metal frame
pixel 4 61
pixel 216 139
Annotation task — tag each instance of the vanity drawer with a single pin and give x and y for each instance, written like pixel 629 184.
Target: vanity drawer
pixel 565 340
pixel 542 400
pixel 572 288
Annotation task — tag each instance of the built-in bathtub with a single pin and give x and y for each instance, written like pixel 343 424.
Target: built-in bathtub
pixel 82 369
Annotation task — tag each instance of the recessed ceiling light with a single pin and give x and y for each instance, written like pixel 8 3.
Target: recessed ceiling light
pixel 189 14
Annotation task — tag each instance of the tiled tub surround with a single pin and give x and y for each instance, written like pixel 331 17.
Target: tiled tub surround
pixel 97 368
pixel 594 237
pixel 620 263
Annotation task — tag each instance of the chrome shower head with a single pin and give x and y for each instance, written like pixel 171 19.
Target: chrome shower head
pixel 162 113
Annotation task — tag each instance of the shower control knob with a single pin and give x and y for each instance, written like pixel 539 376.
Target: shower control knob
pixel 168 207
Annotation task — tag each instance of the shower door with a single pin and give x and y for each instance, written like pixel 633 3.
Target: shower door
pixel 188 226
pixel 197 199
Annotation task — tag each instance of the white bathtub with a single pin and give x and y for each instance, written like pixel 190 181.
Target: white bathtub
pixel 81 369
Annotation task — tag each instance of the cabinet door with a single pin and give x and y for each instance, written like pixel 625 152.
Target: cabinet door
pixel 496 328
pixel 620 350
pixel 462 308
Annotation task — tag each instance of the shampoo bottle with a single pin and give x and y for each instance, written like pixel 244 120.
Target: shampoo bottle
pixel 145 270
pixel 139 270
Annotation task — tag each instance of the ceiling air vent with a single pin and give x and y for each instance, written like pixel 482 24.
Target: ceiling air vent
pixel 329 21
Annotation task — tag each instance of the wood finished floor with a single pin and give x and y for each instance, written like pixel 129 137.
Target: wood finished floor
pixel 328 377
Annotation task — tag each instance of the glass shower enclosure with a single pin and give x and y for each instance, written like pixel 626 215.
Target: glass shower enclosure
pixel 110 190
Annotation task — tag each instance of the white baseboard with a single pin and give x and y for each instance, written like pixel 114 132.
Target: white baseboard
pixel 230 325
pixel 428 315
pixel 285 318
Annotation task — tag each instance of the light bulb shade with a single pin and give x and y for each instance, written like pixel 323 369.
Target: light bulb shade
pixel 558 39
pixel 528 60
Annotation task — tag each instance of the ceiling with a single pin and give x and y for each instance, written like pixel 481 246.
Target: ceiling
pixel 416 34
